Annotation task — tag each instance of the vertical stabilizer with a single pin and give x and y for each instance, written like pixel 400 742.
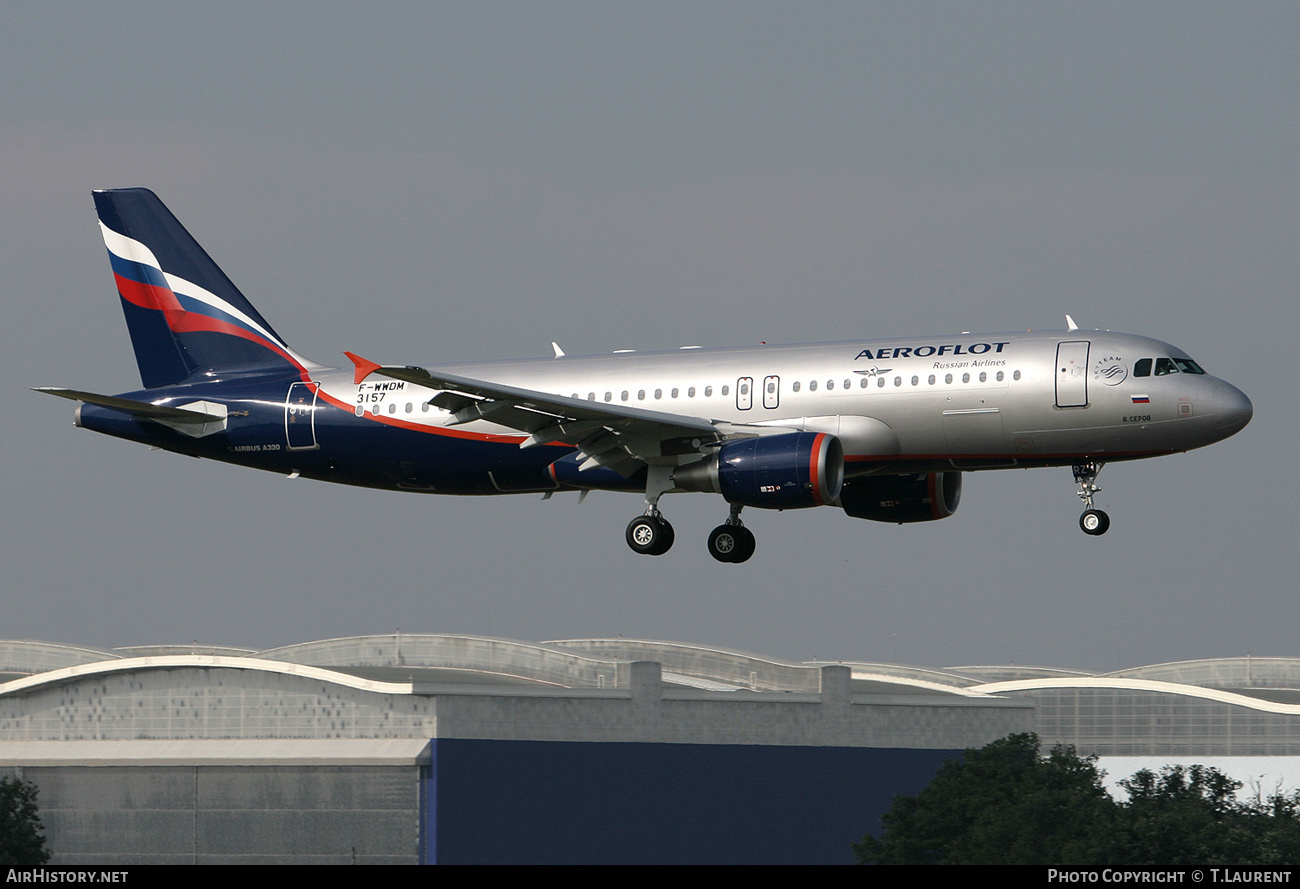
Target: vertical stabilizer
pixel 185 316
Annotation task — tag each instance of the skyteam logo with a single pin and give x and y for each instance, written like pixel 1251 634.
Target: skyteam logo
pixel 1110 370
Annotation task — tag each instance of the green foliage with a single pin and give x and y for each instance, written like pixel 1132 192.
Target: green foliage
pixel 1000 804
pixel 22 840
pixel 1009 804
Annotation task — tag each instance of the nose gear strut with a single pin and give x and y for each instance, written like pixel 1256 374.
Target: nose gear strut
pixel 1093 521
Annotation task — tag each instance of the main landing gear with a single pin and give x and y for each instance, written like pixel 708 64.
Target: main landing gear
pixel 731 541
pixel 651 535
pixel 1093 521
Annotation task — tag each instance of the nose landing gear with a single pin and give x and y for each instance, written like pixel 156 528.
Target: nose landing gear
pixel 1093 521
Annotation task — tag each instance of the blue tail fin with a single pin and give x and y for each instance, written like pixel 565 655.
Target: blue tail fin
pixel 185 316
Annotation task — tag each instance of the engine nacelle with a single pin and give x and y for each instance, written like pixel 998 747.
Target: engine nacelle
pixel 787 471
pixel 902 498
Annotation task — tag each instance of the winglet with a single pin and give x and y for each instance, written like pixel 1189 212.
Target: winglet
pixel 363 367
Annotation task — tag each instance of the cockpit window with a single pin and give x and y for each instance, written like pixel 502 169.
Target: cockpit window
pixel 1165 366
pixel 1142 367
pixel 1188 366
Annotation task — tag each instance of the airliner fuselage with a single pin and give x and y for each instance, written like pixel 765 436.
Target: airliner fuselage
pixel 882 428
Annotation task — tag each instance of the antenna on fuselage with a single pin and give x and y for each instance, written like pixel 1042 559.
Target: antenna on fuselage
pixel 1069 323
pixel 559 353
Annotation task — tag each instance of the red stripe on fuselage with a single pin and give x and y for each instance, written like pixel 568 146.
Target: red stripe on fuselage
pixel 422 427
pixel 1025 458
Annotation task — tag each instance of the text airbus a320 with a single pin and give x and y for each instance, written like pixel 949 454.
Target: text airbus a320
pixel 882 429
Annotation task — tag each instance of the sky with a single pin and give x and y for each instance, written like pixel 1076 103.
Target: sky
pixel 428 183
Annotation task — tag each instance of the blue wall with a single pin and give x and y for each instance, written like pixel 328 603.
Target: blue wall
pixel 562 802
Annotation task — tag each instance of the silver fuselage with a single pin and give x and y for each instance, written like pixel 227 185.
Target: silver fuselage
pixel 966 401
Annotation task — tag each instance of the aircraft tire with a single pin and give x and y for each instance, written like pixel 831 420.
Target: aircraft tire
pixel 746 548
pixel 731 543
pixel 650 536
pixel 1094 522
pixel 723 543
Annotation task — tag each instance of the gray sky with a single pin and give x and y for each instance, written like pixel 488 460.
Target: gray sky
pixel 426 183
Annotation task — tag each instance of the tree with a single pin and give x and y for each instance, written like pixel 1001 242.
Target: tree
pixel 1008 804
pixel 1000 804
pixel 1191 815
pixel 22 838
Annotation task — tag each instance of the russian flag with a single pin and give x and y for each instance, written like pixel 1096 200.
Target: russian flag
pixel 1141 399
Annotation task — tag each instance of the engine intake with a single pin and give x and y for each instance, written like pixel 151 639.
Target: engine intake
pixel 787 471
pixel 902 498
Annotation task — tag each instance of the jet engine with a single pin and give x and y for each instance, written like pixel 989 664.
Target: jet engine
pixel 787 471
pixel 902 498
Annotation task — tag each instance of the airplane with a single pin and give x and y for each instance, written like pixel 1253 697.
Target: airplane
pixel 883 429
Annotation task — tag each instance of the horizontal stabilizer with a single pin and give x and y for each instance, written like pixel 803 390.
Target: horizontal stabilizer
pixel 126 405
pixel 195 419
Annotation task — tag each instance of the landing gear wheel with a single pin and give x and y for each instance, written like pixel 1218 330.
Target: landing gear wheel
pixel 746 548
pixel 1094 522
pixel 731 543
pixel 650 535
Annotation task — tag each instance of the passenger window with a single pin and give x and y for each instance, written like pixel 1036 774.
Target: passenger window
pixel 690 393
pixel 659 393
pixel 708 390
pixel 984 377
pixel 848 384
pixel 880 382
pixel 1016 375
pixel 409 407
pixel 931 380
pixel 812 386
pixel 591 396
pixel 947 378
pixel 640 395
pixel 795 387
pixel 674 393
pixel 1142 368
pixel 624 395
pixel 830 384
pixel 725 390
pixel 898 381
pixel 965 378
pixel 1000 376
pixel 609 396
pixel 916 380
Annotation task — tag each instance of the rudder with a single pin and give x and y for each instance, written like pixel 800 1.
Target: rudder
pixel 184 315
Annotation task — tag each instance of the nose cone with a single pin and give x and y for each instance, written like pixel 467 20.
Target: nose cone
pixel 1231 409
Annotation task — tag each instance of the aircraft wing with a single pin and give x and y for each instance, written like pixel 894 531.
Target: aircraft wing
pixel 617 436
